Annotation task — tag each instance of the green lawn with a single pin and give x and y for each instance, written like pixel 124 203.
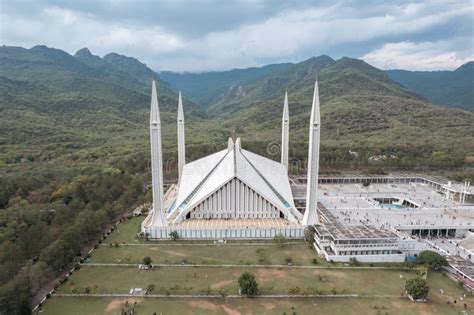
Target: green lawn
pixel 126 231
pixel 187 280
pixel 380 291
pixel 369 306
pixel 301 254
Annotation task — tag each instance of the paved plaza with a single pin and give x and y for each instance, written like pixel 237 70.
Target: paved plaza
pixel 356 204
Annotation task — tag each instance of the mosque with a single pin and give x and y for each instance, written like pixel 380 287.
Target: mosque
pixel 233 193
pixel 237 194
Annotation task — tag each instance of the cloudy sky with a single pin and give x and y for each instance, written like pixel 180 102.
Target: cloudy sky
pixel 217 35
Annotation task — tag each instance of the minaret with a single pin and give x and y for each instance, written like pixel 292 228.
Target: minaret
pixel 181 145
pixel 285 127
pixel 311 214
pixel 159 218
pixel 230 145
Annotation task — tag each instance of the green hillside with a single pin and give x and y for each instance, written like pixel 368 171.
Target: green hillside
pixel 363 110
pixel 203 88
pixel 447 88
pixel 57 68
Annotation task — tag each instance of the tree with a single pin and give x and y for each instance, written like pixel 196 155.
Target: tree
pixel 147 260
pixel 354 262
pixel 309 233
pixel 279 239
pixel 417 288
pixel 151 288
pixel 24 306
pixel 174 235
pixel 431 259
pixel 57 255
pixel 39 274
pixel 248 285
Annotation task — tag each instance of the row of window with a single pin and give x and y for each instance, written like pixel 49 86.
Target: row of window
pixel 366 252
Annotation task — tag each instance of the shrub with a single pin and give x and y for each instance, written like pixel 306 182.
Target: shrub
pixel 294 290
pixel 431 259
pixel 248 285
pixel 151 287
pixel 417 288
pixel 279 239
pixel 147 260
pixel 174 235
pixel 309 234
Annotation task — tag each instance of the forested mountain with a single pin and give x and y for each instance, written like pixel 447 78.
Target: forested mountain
pixel 203 88
pixel 362 110
pixel 447 88
pixel 74 149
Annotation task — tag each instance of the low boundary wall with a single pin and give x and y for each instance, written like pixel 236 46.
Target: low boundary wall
pixel 226 233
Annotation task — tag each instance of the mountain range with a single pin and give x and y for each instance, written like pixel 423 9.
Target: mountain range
pixel 447 88
pixel 55 105
pixel 444 88
pixel 363 109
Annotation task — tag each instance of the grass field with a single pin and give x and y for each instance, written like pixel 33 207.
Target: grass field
pixel 170 306
pixel 192 280
pixel 300 254
pixel 126 231
pixel 380 291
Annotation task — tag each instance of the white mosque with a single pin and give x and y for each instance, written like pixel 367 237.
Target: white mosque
pixel 233 193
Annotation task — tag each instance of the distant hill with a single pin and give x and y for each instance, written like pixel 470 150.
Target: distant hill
pixel 85 101
pixel 362 110
pixel 56 68
pixel 203 88
pixel 53 103
pixel 447 88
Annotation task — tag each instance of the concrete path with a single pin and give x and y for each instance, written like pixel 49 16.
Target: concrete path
pixel 250 266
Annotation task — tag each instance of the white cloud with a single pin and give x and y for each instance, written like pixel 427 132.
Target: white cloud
pixel 317 29
pixel 289 34
pixel 70 30
pixel 417 56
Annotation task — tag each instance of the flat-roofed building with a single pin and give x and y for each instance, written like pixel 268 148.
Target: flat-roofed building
pixel 340 242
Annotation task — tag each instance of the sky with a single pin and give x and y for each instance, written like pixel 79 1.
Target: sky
pixel 197 36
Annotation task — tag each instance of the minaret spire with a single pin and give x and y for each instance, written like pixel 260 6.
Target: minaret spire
pixel 181 143
pixel 285 127
pixel 310 216
pixel 159 218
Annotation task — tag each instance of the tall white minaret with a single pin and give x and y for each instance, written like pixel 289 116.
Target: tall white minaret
pixel 310 216
pixel 181 145
pixel 159 218
pixel 285 128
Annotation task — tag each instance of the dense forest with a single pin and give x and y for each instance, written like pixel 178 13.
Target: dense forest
pixel 74 151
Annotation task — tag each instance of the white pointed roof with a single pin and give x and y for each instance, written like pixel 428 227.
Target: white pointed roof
pixel 195 172
pixel 203 177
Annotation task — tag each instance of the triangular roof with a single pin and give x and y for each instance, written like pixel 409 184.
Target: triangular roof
pixel 203 177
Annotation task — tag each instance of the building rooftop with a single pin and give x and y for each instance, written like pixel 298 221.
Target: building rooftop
pixel 331 226
pixel 204 176
pixel 356 204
